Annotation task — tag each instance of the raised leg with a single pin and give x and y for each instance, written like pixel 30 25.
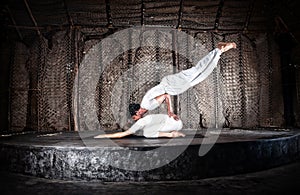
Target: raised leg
pixel 207 64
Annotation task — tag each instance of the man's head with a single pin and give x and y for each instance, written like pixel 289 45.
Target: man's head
pixel 136 111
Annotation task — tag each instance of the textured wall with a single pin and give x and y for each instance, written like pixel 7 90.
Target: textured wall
pixel 243 91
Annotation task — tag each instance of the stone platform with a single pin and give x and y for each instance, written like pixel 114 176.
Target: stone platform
pixel 201 154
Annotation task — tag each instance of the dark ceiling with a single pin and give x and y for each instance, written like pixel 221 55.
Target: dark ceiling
pixel 22 17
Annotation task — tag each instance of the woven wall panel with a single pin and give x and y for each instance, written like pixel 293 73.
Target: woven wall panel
pixel 53 107
pixel 19 88
pixel 241 92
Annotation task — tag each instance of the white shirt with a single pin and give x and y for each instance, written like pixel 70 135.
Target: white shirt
pixel 149 102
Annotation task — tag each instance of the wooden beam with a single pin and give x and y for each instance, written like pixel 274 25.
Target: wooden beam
pixel 25 27
pixel 68 14
pixel 218 15
pixel 14 23
pixel 108 14
pixel 142 12
pixel 249 14
pixel 179 23
pixel 62 27
pixel 32 18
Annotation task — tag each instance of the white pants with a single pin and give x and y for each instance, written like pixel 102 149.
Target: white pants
pixel 178 83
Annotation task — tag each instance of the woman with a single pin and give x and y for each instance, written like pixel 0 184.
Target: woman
pixel 180 82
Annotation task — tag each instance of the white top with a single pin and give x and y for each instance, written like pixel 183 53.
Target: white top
pixel 149 102
pixel 152 124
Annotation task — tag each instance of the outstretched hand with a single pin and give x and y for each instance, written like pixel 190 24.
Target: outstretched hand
pixel 100 136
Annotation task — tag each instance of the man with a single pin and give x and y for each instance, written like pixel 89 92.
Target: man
pixel 152 126
pixel 180 82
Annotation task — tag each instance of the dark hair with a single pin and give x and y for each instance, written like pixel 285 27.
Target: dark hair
pixel 133 108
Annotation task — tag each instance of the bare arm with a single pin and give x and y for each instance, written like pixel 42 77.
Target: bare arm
pixel 169 104
pixel 171 134
pixel 115 135
pixel 167 99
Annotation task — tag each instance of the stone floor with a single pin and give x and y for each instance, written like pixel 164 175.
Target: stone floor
pixel 281 180
pixel 85 139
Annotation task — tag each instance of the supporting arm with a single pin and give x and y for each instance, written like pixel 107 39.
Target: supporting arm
pixel 167 98
pixel 115 135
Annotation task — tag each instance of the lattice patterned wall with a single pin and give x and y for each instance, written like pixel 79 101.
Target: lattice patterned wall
pixel 235 95
pixel 19 88
pixel 41 86
pixel 242 92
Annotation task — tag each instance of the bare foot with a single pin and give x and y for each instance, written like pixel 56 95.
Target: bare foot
pixel 225 46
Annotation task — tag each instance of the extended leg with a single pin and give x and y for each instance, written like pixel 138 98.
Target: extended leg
pixel 203 68
pixel 207 64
